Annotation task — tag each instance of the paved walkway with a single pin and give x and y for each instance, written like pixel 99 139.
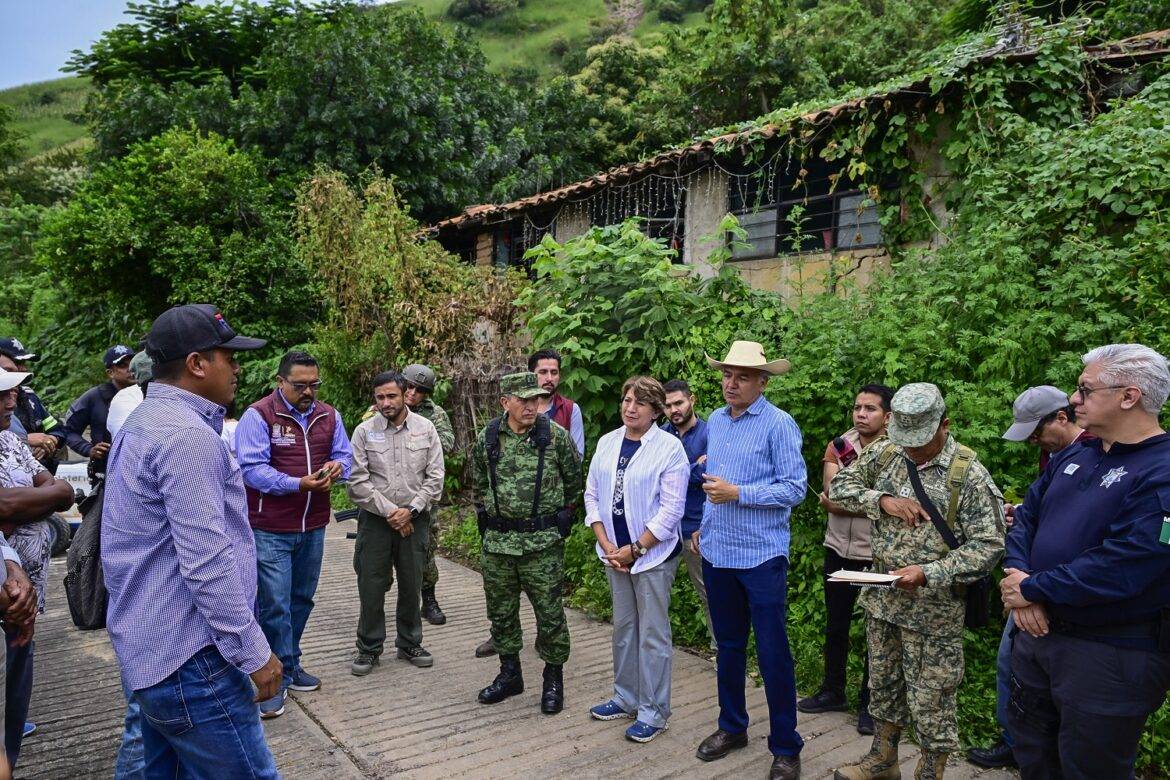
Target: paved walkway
pixel 424 723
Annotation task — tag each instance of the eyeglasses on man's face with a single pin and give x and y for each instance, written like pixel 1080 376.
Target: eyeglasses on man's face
pixel 1085 391
pixel 301 387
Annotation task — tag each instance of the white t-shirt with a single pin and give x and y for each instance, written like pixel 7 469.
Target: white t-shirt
pixel 124 401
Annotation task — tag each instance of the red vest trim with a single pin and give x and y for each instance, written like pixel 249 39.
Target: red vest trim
pixel 296 454
pixel 560 411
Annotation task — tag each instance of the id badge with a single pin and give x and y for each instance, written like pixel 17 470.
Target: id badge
pixel 1164 538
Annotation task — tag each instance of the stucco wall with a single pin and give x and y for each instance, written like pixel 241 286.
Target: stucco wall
pixel 705 208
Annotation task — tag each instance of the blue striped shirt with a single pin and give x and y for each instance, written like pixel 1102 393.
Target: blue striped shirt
pixel 178 554
pixel 759 452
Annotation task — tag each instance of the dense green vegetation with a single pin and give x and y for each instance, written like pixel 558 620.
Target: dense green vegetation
pixel 284 171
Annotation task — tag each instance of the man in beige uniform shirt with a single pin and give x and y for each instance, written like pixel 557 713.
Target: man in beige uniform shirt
pixel 397 478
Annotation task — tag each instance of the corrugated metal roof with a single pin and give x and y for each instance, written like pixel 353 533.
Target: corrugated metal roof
pixel 1136 49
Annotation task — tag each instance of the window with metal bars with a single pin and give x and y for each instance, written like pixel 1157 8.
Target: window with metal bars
pixel 791 207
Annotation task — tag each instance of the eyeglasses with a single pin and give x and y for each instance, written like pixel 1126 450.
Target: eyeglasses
pixel 301 387
pixel 1085 391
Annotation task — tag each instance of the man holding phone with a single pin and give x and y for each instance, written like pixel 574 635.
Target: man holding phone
pixel 291 448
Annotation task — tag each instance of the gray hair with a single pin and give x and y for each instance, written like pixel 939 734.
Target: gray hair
pixel 1134 365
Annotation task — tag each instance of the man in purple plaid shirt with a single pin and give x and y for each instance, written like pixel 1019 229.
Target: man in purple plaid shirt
pixel 180 561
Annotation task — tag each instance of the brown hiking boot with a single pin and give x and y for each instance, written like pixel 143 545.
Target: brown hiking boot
pixel 930 765
pixel 881 762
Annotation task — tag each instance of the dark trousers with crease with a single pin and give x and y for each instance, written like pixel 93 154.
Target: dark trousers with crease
pixel 1078 706
pixel 742 600
pixel 840 599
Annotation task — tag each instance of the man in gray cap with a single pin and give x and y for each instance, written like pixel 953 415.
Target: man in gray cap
pixel 127 399
pixel 1043 416
pixel 915 630
pixel 420 383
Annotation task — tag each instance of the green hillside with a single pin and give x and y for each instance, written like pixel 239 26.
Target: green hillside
pixel 539 33
pixel 47 113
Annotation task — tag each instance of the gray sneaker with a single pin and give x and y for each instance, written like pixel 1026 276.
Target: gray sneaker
pixel 363 664
pixel 417 656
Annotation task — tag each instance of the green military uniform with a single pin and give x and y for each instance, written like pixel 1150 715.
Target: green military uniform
pixel 438 416
pixel 916 637
pixel 532 562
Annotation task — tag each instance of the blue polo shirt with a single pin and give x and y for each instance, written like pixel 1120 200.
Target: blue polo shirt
pixel 1095 533
pixel 694 442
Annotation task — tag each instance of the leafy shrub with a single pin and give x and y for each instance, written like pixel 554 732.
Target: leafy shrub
pixel 476 11
pixel 670 11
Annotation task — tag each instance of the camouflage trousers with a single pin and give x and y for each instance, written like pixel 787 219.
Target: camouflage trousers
pixel 430 574
pixel 914 678
pixel 540 575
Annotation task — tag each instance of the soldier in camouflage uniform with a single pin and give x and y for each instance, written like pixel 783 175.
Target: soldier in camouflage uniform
pixel 915 630
pixel 523 547
pixel 420 383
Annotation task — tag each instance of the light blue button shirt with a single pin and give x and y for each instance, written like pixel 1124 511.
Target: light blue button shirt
pixel 759 451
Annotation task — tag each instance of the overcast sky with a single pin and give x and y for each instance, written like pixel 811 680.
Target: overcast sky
pixel 38 36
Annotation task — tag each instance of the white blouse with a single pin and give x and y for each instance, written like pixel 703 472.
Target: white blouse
pixel 655 490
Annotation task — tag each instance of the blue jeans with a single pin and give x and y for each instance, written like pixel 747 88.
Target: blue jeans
pixel 200 722
pixel 17 693
pixel 1003 678
pixel 130 760
pixel 743 599
pixel 288 567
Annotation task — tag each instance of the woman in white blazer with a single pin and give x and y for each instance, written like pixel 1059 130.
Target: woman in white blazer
pixel 634 499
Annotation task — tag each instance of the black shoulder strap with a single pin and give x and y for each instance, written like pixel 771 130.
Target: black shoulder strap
pixel 542 437
pixel 491 440
pixel 939 524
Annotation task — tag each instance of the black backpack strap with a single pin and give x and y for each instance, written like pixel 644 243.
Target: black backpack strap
pixel 939 524
pixel 491 438
pixel 542 437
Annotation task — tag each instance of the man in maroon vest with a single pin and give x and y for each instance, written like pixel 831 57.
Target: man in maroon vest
pixel 546 364
pixel 291 449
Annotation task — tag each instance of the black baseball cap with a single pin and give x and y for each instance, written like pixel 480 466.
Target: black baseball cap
pixel 15 350
pixel 118 353
pixel 193 327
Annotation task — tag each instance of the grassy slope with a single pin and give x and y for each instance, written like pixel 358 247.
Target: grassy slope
pixel 525 37
pixel 43 110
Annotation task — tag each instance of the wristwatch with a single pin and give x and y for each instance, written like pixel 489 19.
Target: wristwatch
pixel 637 549
pixel 414 513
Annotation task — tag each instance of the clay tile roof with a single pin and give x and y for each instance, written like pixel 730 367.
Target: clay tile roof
pixel 1138 48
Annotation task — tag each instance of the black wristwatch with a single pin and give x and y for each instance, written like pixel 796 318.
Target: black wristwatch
pixel 414 513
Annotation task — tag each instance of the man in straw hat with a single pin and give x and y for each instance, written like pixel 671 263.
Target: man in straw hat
pixel 755 476
pixel 915 630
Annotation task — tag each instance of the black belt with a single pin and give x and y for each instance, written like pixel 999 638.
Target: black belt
pixel 528 525
pixel 1147 629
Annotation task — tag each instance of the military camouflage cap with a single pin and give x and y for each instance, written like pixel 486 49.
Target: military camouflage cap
pixel 917 409
pixel 522 385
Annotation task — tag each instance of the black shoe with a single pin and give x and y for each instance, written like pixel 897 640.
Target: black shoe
pixel 552 698
pixel 720 744
pixel 824 701
pixel 864 722
pixel 997 756
pixel 485 649
pixel 417 656
pixel 430 608
pixel 785 768
pixel 509 682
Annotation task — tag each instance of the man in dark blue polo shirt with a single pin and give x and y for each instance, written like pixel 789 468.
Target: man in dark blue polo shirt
pixel 1087 577
pixel 692 430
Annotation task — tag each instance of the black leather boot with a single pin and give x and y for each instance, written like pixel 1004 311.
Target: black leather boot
pixel 430 608
pixel 552 698
pixel 509 682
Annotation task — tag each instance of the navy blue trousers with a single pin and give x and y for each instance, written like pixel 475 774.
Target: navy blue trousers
pixel 742 600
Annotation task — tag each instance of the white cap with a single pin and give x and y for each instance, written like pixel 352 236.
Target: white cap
pixel 11 379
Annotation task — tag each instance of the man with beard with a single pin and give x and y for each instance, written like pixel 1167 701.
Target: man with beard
pixel 692 430
pixel 397 481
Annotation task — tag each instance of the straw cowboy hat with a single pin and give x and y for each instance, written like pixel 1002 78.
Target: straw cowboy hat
pixel 749 354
